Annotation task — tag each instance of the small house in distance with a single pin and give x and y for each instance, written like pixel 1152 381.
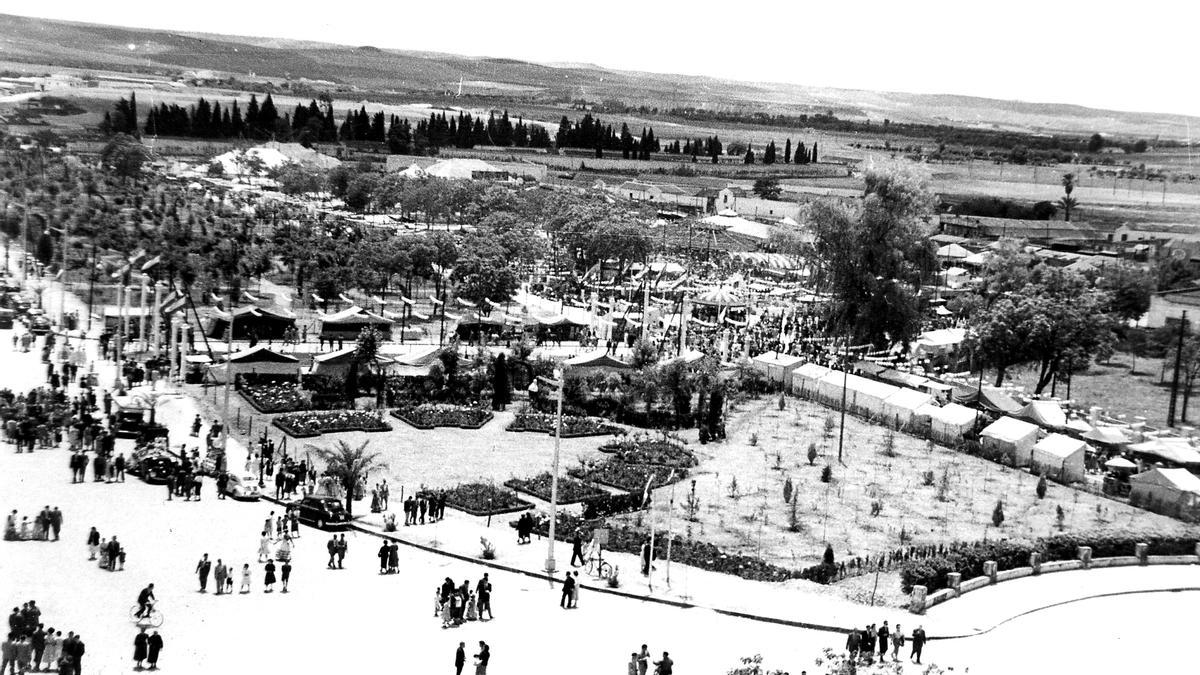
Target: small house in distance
pixel 776 367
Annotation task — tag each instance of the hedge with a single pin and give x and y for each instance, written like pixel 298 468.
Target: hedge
pixel 968 560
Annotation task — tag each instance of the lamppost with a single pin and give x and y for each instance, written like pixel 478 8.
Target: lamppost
pixel 560 377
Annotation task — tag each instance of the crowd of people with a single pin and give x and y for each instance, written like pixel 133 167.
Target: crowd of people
pixel 863 645
pixel 458 604
pixel 30 645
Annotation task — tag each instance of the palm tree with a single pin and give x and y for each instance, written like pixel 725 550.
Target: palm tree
pixel 1068 202
pixel 349 465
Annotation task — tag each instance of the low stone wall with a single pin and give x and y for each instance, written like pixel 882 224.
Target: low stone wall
pixel 921 599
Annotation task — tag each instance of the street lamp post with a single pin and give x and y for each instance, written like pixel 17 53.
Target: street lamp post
pixel 228 378
pixel 550 566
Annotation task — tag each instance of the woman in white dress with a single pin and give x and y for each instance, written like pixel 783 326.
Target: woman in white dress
pixel 245 578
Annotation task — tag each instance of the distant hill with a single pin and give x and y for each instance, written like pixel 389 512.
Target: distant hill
pixel 373 69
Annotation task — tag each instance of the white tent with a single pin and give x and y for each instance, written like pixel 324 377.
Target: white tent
pixel 1171 491
pixel 740 225
pixel 948 423
pixel 863 396
pixel 904 407
pixel 777 367
pixel 1046 413
pixel 953 251
pixel 1011 437
pixel 805 379
pixel 413 172
pixel 1060 457
pixel 459 168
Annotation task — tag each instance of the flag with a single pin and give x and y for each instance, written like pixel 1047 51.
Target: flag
pixel 407 301
pixel 646 491
pixel 435 300
pixel 345 299
pixel 317 298
pixel 119 274
pixel 215 300
pixel 151 262
pixel 465 303
pixel 137 255
pixel 378 300
pixel 173 305
pixel 251 298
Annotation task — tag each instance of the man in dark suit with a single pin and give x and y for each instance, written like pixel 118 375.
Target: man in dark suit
pixel 460 658
pixel 56 521
pixel 202 568
pixel 568 588
pixel 918 643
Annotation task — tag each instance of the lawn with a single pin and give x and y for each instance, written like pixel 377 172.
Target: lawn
pixel 1112 388
pixel 752 518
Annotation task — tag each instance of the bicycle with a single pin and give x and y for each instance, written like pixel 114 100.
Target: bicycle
pixel 152 617
pixel 599 568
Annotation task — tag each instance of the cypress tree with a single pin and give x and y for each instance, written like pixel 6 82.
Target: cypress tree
pixel 787 152
pixel 251 126
pixel 814 153
pixel 769 153
pixel 132 121
pixel 267 117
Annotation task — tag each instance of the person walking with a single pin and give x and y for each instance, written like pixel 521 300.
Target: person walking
pixel 56 521
pixel 285 573
pixel 897 643
pixel 38 640
pixel 245 579
pixel 332 547
pixel 264 546
pixel 483 591
pixel 577 549
pixel 384 551
pixel 141 643
pixel 482 658
pixel 155 647
pixel 575 592
pixel 568 586
pixel 393 565
pixel 918 644
pixel 460 658
pixel 341 551
pixel 883 635
pixel 202 569
pixel 269 577
pixel 93 543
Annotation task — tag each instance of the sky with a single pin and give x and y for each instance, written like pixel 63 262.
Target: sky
pixel 1139 55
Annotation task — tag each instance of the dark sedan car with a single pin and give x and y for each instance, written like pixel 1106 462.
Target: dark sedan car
pixel 39 325
pixel 322 511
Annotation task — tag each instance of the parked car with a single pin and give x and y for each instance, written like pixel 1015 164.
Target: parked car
pixel 321 511
pixel 153 468
pixel 39 325
pixel 243 486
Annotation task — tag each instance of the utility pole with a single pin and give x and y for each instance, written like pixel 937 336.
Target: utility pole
pixel 91 287
pixel 845 385
pixel 1175 377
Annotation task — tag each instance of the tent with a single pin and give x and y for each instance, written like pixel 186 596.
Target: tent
pixel 905 407
pixel 1060 457
pixel 949 423
pixel 418 363
pixel 1120 463
pixel 595 360
pixel 941 341
pixel 348 323
pixel 1010 437
pixel 994 400
pixel 1044 413
pixel 1171 491
pixel 1109 436
pixel 719 297
pixel 1176 452
pixel 338 363
pixel 863 396
pixel 805 379
pixel 775 366
pixel 900 379
pixel 258 360
pixel 261 322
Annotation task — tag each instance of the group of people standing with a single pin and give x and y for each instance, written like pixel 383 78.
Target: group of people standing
pixel 109 553
pixel 458 604
pixel 639 663
pixel 46 526
pixel 31 646
pixel 431 505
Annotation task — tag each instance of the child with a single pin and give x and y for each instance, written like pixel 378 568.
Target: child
pixel 245 579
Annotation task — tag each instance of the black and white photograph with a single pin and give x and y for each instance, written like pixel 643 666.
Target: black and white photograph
pixel 673 338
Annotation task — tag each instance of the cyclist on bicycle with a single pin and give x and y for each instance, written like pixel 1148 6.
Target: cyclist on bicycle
pixel 146 601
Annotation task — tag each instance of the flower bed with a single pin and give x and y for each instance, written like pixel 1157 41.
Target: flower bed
pixel 569 491
pixel 432 415
pixel 650 451
pixel 628 477
pixel 573 427
pixel 478 498
pixel 315 423
pixel 275 397
pixel 702 555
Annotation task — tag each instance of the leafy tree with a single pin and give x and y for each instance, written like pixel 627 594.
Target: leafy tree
pixel 1129 289
pixel 768 188
pixel 749 156
pixel 1095 143
pixel 349 466
pixel 483 271
pixel 1174 273
pixel 873 256
pixel 123 155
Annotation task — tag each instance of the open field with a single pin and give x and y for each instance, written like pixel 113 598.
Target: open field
pixel 756 520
